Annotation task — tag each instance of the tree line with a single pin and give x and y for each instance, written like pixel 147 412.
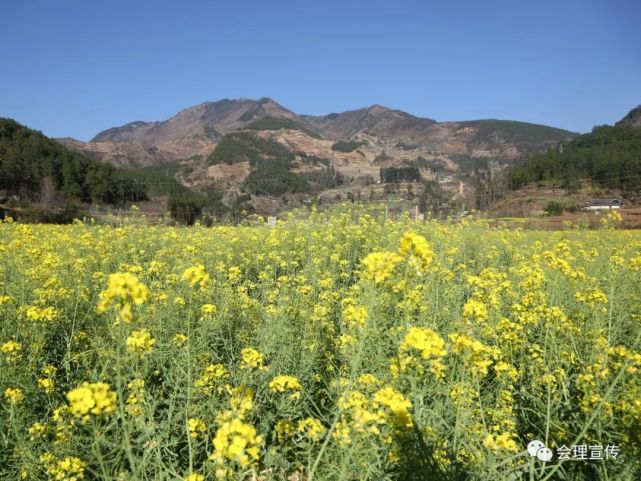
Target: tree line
pixel 609 156
pixel 31 163
pixel 400 174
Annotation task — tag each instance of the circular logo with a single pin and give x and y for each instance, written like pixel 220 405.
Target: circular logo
pixel 544 454
pixel 534 446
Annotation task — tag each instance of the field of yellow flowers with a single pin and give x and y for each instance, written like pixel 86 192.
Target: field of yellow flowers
pixel 339 347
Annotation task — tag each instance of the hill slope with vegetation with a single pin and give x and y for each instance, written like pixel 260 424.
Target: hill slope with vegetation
pixel 269 163
pixel 609 156
pixel 515 131
pixel 30 162
pixel 48 182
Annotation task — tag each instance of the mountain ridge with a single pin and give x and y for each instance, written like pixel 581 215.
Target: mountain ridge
pixel 633 118
pixel 195 131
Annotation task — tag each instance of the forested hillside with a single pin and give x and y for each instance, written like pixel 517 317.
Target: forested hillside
pixel 30 163
pixel 609 156
pixel 269 163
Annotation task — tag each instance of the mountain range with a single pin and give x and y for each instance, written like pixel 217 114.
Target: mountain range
pixel 380 132
pixel 244 155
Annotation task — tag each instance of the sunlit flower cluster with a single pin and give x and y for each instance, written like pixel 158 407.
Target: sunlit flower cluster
pixel 289 384
pixel 91 399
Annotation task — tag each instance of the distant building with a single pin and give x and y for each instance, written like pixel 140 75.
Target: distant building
pixel 602 204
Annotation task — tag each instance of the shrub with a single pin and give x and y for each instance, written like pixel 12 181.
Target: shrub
pixel 346 146
pixel 554 208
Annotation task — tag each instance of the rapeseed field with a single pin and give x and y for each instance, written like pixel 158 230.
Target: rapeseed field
pixel 339 347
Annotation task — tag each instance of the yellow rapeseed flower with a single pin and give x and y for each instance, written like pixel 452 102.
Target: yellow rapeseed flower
pixel 212 378
pixel 179 339
pixel 208 310
pixel 194 477
pixel 311 428
pixel 123 286
pixel 252 359
pixel 91 399
pixel 11 350
pixel 196 275
pixel 236 442
pixel 286 383
pixel 140 342
pixel 136 397
pixel 355 316
pixel 501 442
pixel 46 384
pixel 424 340
pixel 396 406
pixel 420 250
pixel 14 395
pixel 380 265
pixel 196 427
pixel 475 309
pixel 69 468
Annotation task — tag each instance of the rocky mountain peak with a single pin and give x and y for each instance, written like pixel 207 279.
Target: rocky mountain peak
pixel 633 119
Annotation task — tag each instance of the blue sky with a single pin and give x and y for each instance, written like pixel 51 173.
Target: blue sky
pixel 75 67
